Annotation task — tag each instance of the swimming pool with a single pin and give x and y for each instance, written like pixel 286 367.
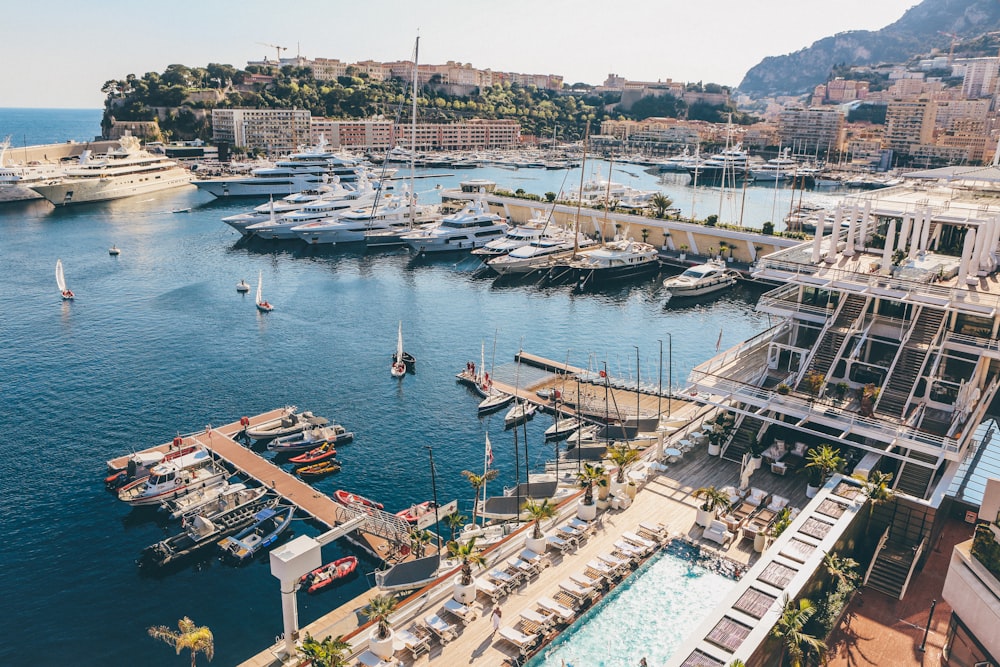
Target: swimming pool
pixel 646 616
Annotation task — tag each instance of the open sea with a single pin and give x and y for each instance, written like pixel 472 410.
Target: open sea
pixel 159 342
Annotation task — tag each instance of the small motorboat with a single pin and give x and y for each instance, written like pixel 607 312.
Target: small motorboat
pixel 413 513
pixel 325 575
pixel 325 451
pixel 192 502
pixel 311 439
pixel 321 469
pixel 170 479
pixel 114 251
pixel 347 498
pixel 701 279
pixel 496 400
pixel 562 428
pixel 288 424
pixel 267 527
pixel 242 287
pixel 549 393
pixel 182 210
pixel 140 463
pixel 519 413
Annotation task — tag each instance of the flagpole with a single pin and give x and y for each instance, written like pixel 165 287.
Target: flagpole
pixel 486 468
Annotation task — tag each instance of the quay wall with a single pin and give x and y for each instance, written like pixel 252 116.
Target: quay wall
pixel 746 244
pixel 54 152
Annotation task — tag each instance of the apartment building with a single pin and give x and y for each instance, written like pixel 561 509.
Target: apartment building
pixel 813 130
pixel 327 69
pixel 270 130
pixel 909 123
pixel 380 135
pixel 980 78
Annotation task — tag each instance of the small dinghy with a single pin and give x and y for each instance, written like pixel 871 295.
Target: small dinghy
pixel 347 498
pixel 325 451
pixel 321 469
pixel 311 439
pixel 325 575
pixel 413 513
pixel 114 251
pixel 287 424
pixel 242 287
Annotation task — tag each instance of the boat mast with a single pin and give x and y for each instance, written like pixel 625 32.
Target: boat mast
pixel 579 199
pixel 413 133
pixel 607 195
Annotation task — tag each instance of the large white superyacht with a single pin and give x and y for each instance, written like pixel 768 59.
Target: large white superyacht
pixel 123 172
pixel 16 179
pixel 472 227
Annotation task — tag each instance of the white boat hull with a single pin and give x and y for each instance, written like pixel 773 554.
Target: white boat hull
pixel 79 191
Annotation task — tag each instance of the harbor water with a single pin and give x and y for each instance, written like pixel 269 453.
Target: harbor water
pixel 158 342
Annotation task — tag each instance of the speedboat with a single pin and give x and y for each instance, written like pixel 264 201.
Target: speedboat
pixel 472 227
pixel 310 439
pixel 139 464
pixel 353 499
pixel 287 424
pixel 325 575
pixel 316 470
pixel 413 513
pixel 701 279
pixel 520 235
pixel 325 451
pixel 268 525
pixel 174 478
pixel 195 500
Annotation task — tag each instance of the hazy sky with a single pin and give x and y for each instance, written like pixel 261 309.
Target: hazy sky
pixel 60 52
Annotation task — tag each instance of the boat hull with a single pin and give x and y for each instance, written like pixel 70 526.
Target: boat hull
pixel 63 193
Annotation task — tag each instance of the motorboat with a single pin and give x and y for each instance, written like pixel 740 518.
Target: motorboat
pixel 781 168
pixel 701 279
pixel 318 222
pixel 730 165
pixel 540 254
pixel 268 525
pixel 327 574
pixel 237 495
pixel 262 304
pixel 519 413
pixel 190 502
pixel 519 235
pixel 472 227
pixel 353 499
pixel 121 172
pixel 16 179
pixel 242 287
pixel 201 531
pixel 139 464
pixel 366 218
pixel 316 470
pixel 325 451
pixel 311 438
pixel 114 251
pixel 621 259
pixel 599 191
pixel 274 209
pixel 413 513
pixel 64 292
pixel 287 424
pixel 172 478
pixel 495 401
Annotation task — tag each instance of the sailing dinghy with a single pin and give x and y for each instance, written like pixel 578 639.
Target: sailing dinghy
pixel 398 368
pixel 262 305
pixel 66 294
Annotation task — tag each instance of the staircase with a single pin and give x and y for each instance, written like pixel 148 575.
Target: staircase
pixel 740 442
pixel 913 479
pixel 896 392
pixel 829 347
pixel 891 568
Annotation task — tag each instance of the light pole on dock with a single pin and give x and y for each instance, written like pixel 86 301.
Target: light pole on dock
pixel 637 387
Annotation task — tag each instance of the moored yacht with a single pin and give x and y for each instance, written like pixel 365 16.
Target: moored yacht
pixel 517 236
pixel 730 165
pixel 122 172
pixel 472 227
pixel 368 216
pixel 701 279
pixel 541 253
pixel 781 168
pixel 319 214
pixel 621 259
pixel 16 180
pixel 292 202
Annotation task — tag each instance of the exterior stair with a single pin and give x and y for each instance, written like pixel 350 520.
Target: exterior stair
pixel 828 348
pixel 891 569
pixel 913 479
pixel 899 385
pixel 740 442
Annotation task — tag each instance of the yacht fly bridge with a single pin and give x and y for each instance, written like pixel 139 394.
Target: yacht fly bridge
pixel 902 362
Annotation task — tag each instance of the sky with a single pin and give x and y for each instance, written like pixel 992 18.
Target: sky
pixel 60 52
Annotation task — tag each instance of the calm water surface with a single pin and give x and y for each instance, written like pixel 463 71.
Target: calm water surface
pixel 159 342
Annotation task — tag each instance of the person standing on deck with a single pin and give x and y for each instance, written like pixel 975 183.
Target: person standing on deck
pixel 495 618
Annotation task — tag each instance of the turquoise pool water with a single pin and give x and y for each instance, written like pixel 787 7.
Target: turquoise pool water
pixel 646 616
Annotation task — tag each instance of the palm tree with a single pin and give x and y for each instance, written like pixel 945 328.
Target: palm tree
pixel 469 555
pixel 712 499
pixel 190 636
pixel 826 460
pixel 455 523
pixel 843 569
pixel 660 203
pixel 419 539
pixel 788 629
pixel 587 478
pixel 326 653
pixel 379 609
pixel 477 482
pixel 622 456
pixel 876 488
pixel 538 513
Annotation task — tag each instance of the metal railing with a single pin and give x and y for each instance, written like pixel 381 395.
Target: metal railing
pixel 913 566
pixel 878 550
pixel 741 350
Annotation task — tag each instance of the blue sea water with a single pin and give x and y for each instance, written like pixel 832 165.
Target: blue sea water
pixel 158 342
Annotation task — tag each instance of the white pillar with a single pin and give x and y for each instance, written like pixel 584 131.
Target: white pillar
pixel 288 563
pixel 925 232
pixel 995 239
pixel 918 222
pixel 817 241
pixel 890 240
pixel 865 220
pixel 967 247
pixel 977 250
pixel 289 616
pixel 983 258
pixel 904 232
pixel 851 231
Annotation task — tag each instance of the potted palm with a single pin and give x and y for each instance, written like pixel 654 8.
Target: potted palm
pixel 683 251
pixel 379 609
pixel 588 476
pixel 468 554
pixel 327 653
pixel 757 448
pixel 622 456
pixel 712 501
pixel 821 463
pixel 538 512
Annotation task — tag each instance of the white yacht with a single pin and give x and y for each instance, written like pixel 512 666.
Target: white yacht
pixel 781 168
pixel 293 202
pixel 472 227
pixel 701 279
pixel 16 180
pixel 598 191
pixel 320 212
pixel 616 260
pixel 352 226
pixel 680 162
pixel 729 165
pixel 540 253
pixel 122 172
pixel 537 227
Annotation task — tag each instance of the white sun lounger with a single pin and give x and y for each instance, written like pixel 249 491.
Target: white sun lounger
pixel 587 527
pixel 631 537
pixel 604 568
pixel 584 581
pixel 575 589
pixel 522 641
pixel 660 531
pixel 369 659
pixel 535 618
pixel 491 589
pixel 570 533
pixel 526 569
pixel 629 550
pixel 416 645
pixel 562 612
pixel 614 561
pixel 445 631
pixel 460 611
pixel 502 577
pixel 559 543
pixel 534 559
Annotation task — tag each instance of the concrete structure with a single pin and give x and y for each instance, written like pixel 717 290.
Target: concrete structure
pixel 810 131
pixel 271 130
pixel 908 124
pixel 473 134
pixel 980 78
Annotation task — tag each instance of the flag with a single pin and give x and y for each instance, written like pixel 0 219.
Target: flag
pixel 718 343
pixel 489 451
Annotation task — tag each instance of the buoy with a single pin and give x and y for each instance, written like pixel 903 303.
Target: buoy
pixel 178 441
pixel 244 421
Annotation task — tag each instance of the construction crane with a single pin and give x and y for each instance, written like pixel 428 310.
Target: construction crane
pixel 954 39
pixel 277 48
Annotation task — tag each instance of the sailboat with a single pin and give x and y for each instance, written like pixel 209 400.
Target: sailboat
pixel 262 305
pixel 66 294
pixel 398 368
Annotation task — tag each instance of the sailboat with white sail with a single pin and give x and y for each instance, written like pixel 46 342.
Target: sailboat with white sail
pixel 262 305
pixel 66 294
pixel 398 368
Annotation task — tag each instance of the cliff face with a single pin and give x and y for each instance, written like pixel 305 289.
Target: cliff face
pixel 920 29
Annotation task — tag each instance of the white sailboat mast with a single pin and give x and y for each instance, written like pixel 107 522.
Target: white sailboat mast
pixel 413 132
pixel 579 199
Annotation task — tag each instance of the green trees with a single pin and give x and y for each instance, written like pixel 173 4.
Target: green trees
pixel 622 456
pixel 589 476
pixel 796 643
pixel 822 462
pixel 539 511
pixel 660 203
pixel 327 653
pixel 188 636
pixel 379 609
pixel 468 555
pixel 712 499
pixel 477 482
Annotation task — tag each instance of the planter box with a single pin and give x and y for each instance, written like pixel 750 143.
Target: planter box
pixel 383 648
pixel 464 594
pixel 586 512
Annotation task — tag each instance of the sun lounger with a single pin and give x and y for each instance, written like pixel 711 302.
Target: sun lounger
pixel 539 621
pixel 522 641
pixel 460 611
pixel 534 559
pixel 623 547
pixel 642 542
pixel 598 565
pixel 567 600
pixel 503 578
pixel 614 561
pixel 563 613
pixel 568 532
pixel 369 659
pixel 660 531
pixel 491 589
pixel 416 645
pixel 575 589
pixel 587 527
pixel 559 543
pixel 445 631
pixel 526 570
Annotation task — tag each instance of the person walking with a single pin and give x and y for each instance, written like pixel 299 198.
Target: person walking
pixel 495 618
